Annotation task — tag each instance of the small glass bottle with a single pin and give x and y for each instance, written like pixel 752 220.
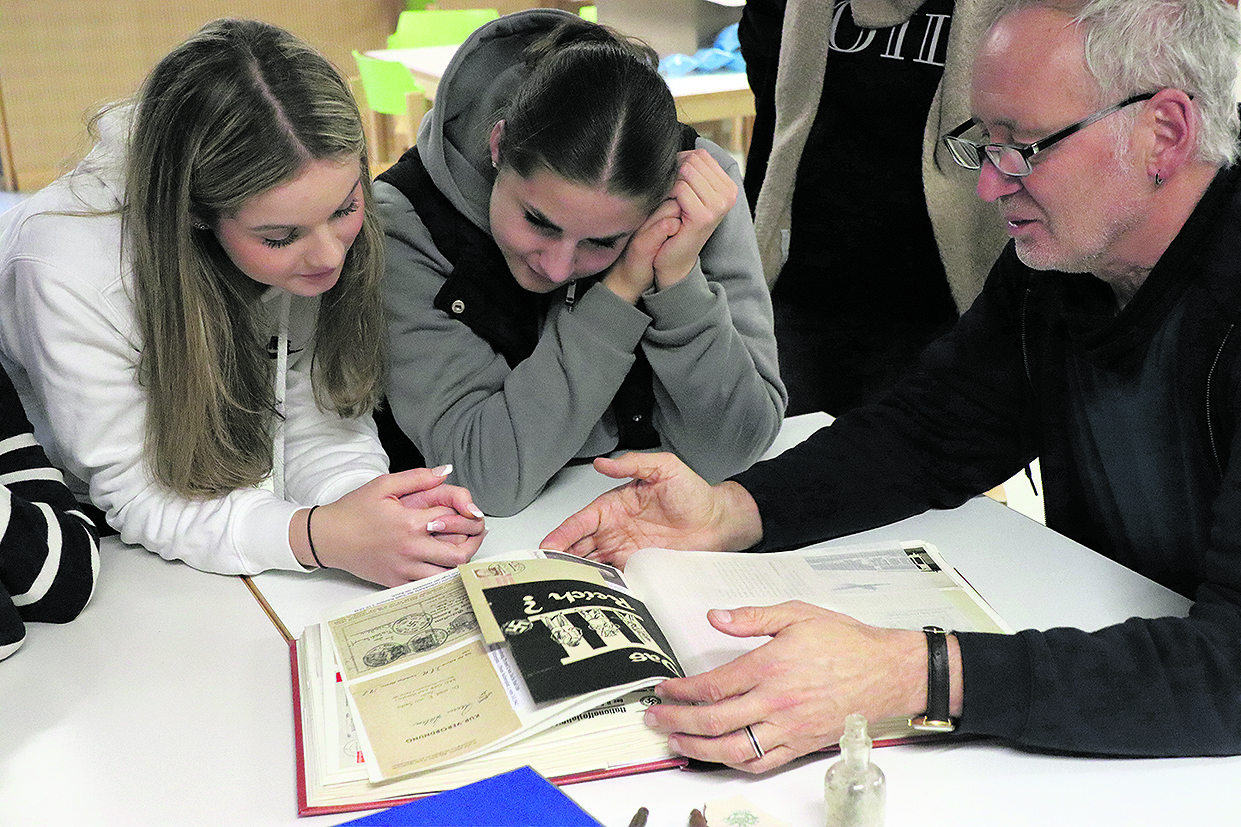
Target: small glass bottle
pixel 854 788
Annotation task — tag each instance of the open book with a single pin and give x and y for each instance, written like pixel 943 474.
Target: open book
pixel 548 660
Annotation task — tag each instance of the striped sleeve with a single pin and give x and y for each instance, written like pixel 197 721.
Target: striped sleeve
pixel 49 549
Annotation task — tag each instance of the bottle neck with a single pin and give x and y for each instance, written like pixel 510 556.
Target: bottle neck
pixel 856 755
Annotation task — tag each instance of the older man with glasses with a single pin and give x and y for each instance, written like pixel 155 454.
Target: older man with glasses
pixel 1105 343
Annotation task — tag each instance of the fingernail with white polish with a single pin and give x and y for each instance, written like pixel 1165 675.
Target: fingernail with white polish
pixel 435 525
pixel 442 471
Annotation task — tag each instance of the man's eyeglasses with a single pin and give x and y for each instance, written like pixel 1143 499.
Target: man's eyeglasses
pixel 1014 159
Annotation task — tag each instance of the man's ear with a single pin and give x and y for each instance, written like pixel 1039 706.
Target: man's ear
pixel 496 132
pixel 1176 125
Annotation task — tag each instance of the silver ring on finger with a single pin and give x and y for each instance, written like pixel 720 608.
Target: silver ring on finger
pixel 758 749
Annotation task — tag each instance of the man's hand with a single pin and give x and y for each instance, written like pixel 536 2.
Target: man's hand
pixel 795 690
pixel 665 505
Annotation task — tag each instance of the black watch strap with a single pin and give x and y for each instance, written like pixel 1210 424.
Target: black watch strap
pixel 935 719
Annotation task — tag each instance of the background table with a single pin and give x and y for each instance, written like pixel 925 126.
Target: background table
pixel 168 702
pixel 700 98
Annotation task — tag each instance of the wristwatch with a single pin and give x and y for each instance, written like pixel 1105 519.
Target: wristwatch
pixel 935 719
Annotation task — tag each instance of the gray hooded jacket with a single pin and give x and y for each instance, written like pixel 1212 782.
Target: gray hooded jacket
pixel 718 399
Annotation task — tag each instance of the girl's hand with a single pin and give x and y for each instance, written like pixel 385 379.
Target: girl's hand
pixel 396 528
pixel 703 193
pixel 665 248
pixel 634 272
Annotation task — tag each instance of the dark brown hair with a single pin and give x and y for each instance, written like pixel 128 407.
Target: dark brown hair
pixel 595 111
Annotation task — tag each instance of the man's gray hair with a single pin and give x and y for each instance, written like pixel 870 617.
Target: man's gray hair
pixel 1135 46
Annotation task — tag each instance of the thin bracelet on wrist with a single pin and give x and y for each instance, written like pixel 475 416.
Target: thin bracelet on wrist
pixel 311 539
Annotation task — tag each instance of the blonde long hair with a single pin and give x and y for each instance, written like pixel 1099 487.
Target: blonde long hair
pixel 235 110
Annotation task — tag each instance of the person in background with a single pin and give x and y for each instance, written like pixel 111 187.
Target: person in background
pixel 49 549
pixel 870 237
pixel 569 271
pixel 1105 342
pixel 193 320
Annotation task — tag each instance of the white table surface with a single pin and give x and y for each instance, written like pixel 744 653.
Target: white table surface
pixel 168 702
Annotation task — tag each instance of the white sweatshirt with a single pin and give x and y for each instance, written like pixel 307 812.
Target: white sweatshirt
pixel 70 343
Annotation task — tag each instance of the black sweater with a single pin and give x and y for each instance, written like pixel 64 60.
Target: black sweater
pixel 1134 419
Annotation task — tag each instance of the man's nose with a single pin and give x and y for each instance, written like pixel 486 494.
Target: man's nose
pixel 993 184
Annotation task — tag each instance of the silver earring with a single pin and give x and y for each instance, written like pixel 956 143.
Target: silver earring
pixel 1158 179
pixel 198 225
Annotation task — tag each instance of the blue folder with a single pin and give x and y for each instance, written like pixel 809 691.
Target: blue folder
pixel 521 798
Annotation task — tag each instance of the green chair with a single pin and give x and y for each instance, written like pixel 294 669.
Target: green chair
pixel 437 27
pixel 389 90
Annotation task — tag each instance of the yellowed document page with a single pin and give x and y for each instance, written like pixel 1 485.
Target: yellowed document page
pixel 441 709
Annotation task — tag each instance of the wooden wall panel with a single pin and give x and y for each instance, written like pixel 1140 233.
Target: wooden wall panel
pixel 61 59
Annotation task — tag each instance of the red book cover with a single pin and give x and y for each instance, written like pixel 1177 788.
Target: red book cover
pixel 305 808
